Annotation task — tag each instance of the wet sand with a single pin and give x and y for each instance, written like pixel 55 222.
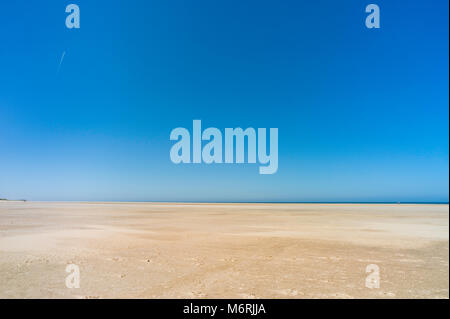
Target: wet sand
pixel 157 250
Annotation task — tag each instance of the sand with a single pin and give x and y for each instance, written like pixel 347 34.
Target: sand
pixel 158 250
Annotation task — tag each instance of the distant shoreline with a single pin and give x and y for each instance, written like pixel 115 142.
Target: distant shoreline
pixel 223 202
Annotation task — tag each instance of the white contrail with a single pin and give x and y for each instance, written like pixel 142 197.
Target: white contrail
pixel 61 61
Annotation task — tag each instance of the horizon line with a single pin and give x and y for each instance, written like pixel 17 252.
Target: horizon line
pixel 232 202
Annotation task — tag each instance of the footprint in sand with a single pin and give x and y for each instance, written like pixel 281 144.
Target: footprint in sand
pixel 288 292
pixel 197 294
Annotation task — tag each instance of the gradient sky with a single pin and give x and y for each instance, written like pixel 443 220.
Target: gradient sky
pixel 363 115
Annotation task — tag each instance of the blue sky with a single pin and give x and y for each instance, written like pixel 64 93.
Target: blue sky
pixel 362 114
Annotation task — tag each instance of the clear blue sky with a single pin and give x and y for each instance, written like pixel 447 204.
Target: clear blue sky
pixel 363 115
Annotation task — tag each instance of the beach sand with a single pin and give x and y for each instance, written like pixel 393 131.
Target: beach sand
pixel 158 250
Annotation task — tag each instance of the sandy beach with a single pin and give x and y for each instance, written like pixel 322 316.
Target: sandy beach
pixel 159 250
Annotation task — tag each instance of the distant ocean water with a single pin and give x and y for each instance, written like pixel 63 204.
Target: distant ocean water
pixel 276 202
